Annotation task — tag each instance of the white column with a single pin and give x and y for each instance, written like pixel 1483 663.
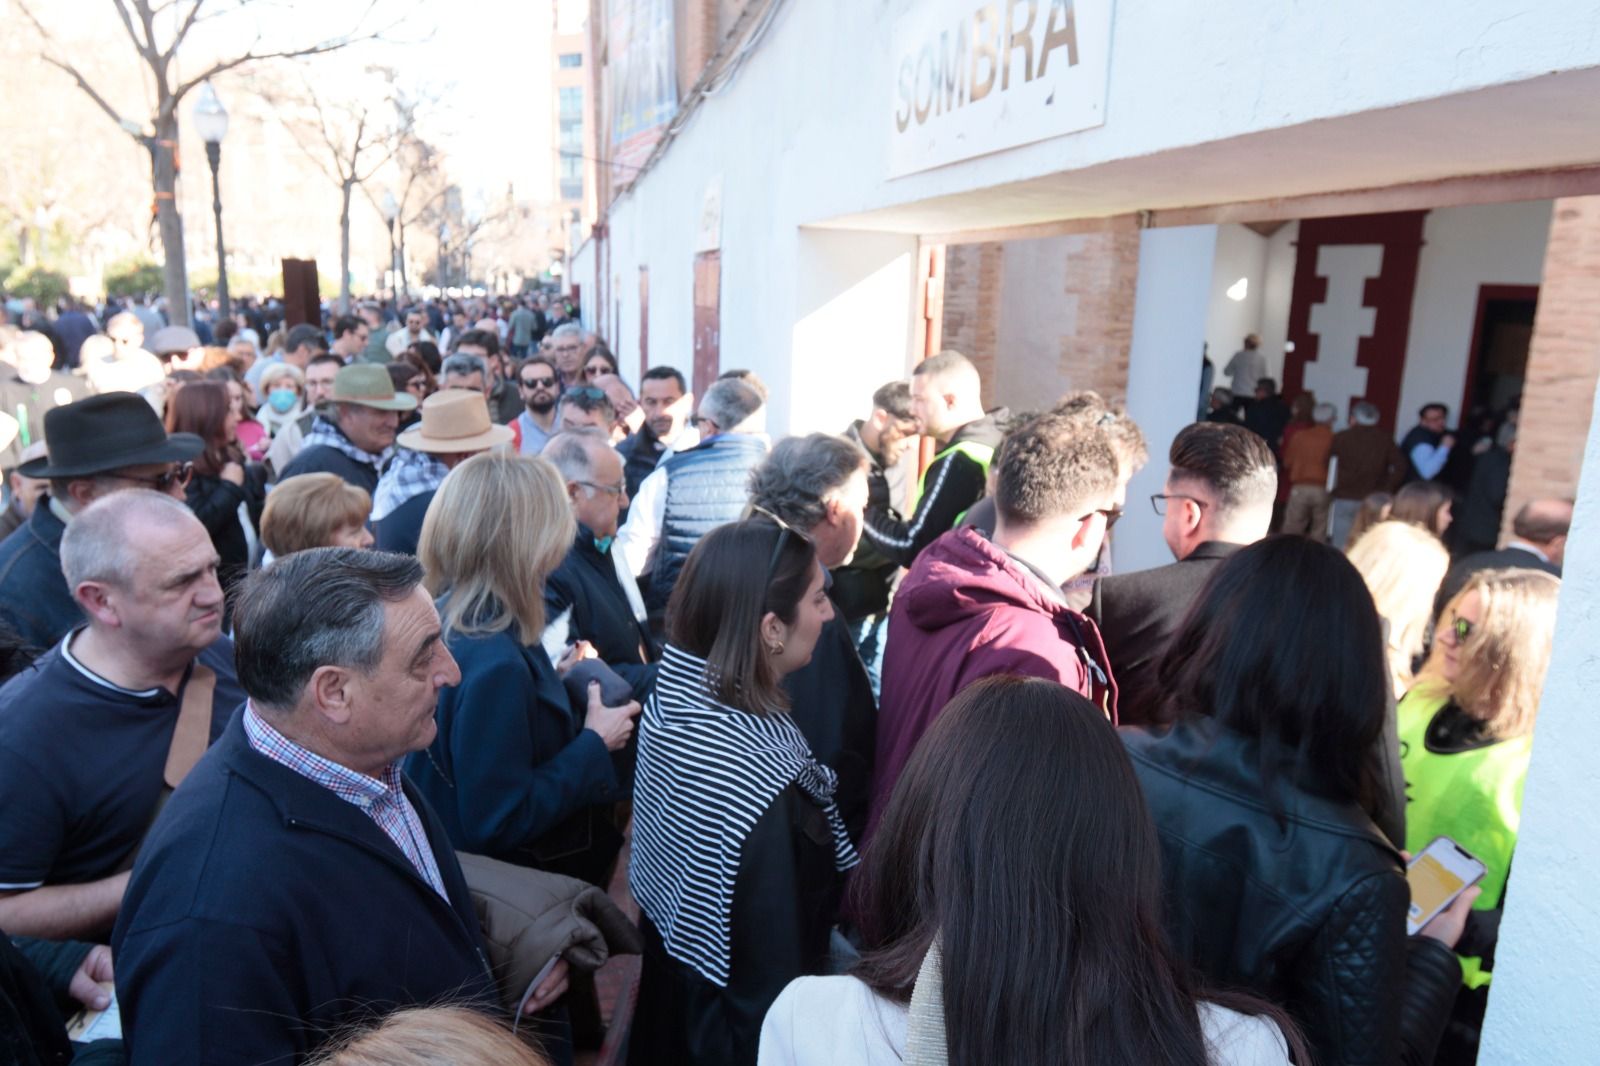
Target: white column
pixel 855 302
pixel 1170 310
pixel 1542 1005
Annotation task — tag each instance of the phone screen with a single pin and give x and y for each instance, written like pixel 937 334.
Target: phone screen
pixel 1433 886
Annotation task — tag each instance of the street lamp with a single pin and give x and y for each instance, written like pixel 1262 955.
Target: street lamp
pixel 211 122
pixel 391 211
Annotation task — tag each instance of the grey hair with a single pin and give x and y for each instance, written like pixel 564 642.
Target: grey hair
pixel 1325 413
pixel 730 403
pixel 465 363
pixel 97 545
pixel 1364 413
pixel 794 481
pixel 567 329
pixel 572 451
pixel 314 608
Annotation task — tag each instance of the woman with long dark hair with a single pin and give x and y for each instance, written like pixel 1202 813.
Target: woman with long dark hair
pixel 1277 879
pixel 223 480
pixel 738 845
pixel 1011 906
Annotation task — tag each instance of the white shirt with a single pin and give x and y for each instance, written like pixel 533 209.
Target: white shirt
pixel 401 339
pixel 639 535
pixel 838 1021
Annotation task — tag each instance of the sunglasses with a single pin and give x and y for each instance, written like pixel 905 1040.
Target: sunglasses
pixel 785 531
pixel 178 476
pixel 1159 501
pixel 588 392
pixel 538 383
pixel 595 371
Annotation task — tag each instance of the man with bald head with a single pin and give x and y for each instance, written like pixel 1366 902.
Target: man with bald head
pixel 104 724
pixel 1538 541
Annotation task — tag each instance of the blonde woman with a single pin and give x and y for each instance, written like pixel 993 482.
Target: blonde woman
pixel 433 1036
pixel 1466 731
pixel 516 772
pixel 1402 565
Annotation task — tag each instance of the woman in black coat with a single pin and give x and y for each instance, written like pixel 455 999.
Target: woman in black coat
pixel 738 845
pixel 1277 880
pixel 221 479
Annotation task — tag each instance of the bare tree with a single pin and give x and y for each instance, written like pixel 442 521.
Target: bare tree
pixel 419 186
pixel 159 53
pixel 350 139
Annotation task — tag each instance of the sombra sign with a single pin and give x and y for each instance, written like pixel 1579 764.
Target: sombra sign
pixel 974 77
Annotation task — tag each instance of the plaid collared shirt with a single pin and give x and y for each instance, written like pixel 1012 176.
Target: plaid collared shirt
pixel 381 797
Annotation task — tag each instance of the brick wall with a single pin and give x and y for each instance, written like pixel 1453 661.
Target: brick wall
pixel 972 279
pixel 1563 360
pixel 1102 269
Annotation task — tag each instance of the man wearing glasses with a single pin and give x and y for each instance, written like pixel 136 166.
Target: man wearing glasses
pixel 539 386
pixel 97 446
pixel 1217 499
pixel 567 346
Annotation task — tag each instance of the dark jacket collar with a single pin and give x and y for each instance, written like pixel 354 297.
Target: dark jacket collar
pixel 1205 755
pixel 44 526
pixel 303 804
pixel 1212 549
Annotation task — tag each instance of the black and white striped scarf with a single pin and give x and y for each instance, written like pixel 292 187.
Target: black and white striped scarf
pixel 706 774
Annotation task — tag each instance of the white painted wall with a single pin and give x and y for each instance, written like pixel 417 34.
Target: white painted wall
pixel 1170 310
pixel 1241 253
pixel 1463 249
pixel 1547 973
pixel 854 311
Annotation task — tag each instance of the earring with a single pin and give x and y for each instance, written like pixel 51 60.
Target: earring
pixel 777 650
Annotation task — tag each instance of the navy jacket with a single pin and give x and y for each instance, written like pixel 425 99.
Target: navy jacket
pixel 512 772
pixel 586 583
pixel 707 486
pixel 401 529
pixel 320 458
pixel 265 912
pixel 34 597
pixel 640 452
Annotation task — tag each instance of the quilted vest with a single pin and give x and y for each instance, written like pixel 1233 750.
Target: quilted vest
pixel 707 487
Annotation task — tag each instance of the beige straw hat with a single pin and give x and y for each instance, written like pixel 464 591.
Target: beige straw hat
pixel 455 421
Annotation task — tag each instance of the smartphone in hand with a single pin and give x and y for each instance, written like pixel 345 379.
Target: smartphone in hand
pixel 1437 875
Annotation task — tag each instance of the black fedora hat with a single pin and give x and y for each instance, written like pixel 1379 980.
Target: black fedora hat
pixel 105 433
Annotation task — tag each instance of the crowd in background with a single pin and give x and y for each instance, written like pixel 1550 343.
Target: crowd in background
pixel 335 644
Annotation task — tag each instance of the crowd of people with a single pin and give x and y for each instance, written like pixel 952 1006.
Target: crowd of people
pixel 347 666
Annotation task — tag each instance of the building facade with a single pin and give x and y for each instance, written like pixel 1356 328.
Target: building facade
pixel 1083 193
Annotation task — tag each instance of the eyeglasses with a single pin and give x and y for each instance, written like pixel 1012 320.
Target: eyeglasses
pixel 613 490
pixel 178 475
pixel 1461 627
pixel 1159 501
pixel 538 383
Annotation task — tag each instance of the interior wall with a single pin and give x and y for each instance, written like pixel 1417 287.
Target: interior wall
pixel 1275 293
pixel 1241 253
pixel 1463 249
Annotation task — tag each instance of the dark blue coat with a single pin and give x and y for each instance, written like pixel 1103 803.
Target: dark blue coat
pixel 401 529
pixel 265 912
pixel 513 773
pixel 34 598
pixel 586 583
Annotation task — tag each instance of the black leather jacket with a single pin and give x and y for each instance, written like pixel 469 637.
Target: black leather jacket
pixel 1309 913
